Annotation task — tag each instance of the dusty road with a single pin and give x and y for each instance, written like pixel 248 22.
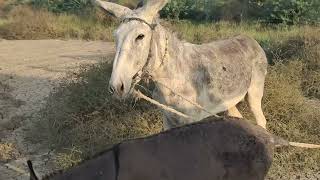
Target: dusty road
pixel 29 70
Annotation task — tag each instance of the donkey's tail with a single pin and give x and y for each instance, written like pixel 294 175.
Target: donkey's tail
pixel 304 145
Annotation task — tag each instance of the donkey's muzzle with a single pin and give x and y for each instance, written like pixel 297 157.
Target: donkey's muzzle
pixel 117 88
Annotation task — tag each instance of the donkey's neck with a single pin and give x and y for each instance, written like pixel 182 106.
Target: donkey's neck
pixel 171 72
pixel 168 61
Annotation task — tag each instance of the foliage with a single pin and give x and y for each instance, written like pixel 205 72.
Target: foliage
pixel 268 11
pixel 286 11
pixel 176 9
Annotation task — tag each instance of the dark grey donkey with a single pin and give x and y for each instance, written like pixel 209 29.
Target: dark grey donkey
pixel 213 149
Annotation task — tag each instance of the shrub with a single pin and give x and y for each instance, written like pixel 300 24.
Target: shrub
pixel 268 11
pixel 287 12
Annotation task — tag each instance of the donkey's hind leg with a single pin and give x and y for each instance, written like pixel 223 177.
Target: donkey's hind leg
pixel 234 112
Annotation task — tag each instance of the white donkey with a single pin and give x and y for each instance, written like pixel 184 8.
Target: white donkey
pixel 216 76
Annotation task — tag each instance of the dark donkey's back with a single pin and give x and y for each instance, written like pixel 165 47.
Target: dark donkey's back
pixel 214 149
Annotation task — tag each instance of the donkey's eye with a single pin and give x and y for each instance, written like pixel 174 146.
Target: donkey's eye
pixel 140 37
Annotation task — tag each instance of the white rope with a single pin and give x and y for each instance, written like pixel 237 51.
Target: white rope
pixel 304 145
pixel 138 94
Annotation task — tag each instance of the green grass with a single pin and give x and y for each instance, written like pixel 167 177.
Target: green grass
pixel 80 118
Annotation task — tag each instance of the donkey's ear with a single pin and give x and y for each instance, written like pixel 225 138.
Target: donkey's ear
pixel 114 9
pixel 150 9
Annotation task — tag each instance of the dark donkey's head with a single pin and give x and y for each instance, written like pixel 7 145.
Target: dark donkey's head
pixel 133 42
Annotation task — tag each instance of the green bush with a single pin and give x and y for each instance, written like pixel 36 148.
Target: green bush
pixel 286 11
pixel 268 11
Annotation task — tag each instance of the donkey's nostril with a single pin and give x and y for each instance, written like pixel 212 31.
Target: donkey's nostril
pixel 122 88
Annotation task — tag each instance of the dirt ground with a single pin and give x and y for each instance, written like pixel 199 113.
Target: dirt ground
pixel 29 70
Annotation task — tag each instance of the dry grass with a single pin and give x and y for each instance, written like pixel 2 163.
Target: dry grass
pixel 26 23
pixel 291 116
pixel 311 80
pixel 82 114
pixel 69 157
pixel 7 152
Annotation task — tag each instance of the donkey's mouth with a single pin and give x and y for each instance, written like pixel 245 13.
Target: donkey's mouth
pixel 122 88
pixel 119 90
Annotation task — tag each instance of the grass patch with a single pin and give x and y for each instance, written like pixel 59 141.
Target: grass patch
pixel 291 116
pixel 279 42
pixel 26 23
pixel 69 158
pixel 82 114
pixel 7 152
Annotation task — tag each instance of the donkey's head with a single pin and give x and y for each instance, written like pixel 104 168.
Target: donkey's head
pixel 133 41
